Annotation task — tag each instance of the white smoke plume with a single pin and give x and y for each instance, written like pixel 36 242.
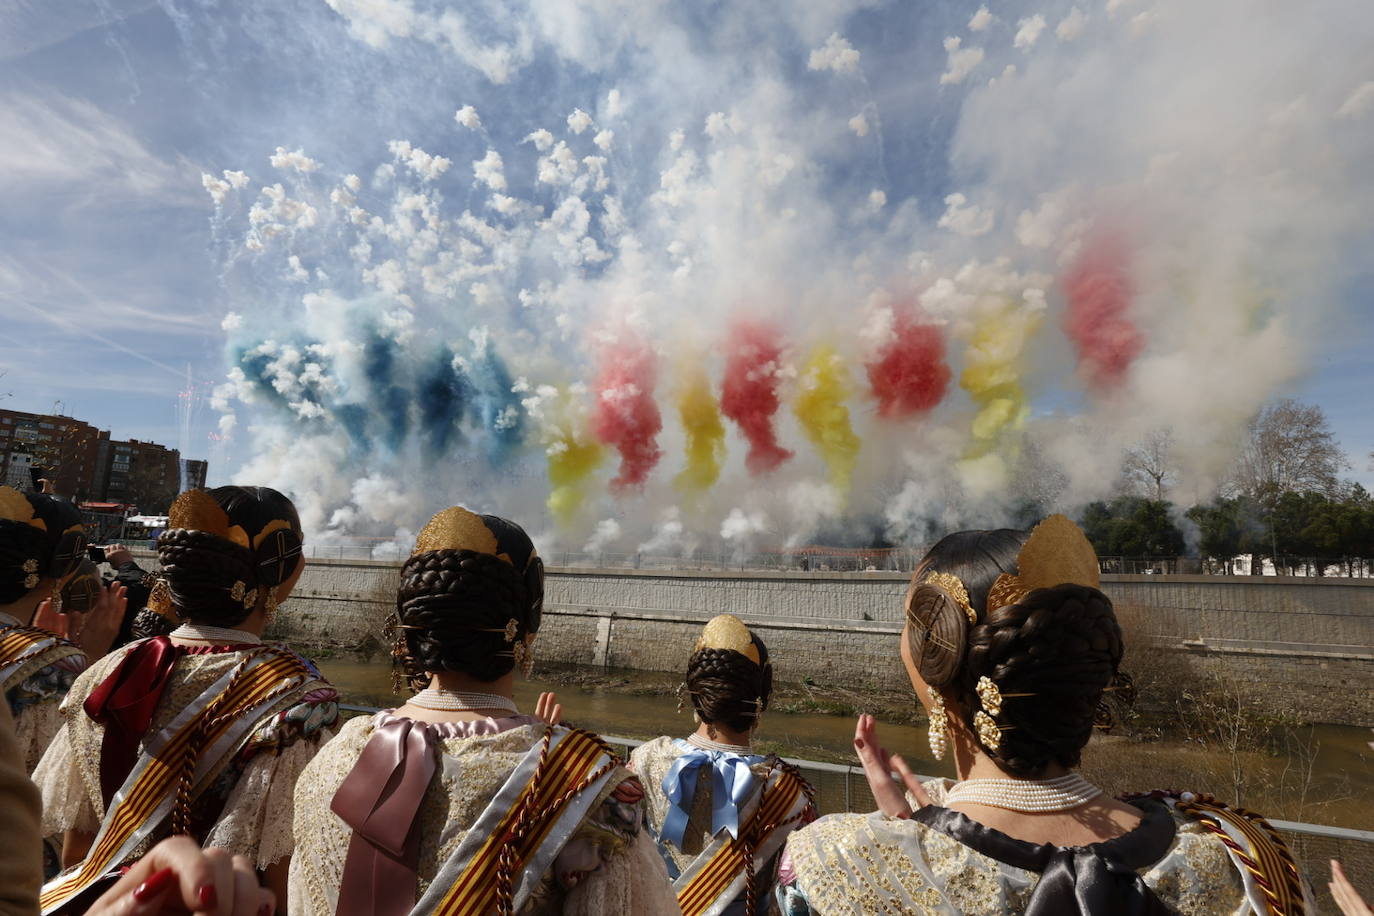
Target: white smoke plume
pixel 636 166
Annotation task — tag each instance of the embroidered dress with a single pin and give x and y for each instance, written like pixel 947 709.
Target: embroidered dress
pixel 598 860
pixel 246 805
pixel 943 863
pixel 698 798
pixel 37 669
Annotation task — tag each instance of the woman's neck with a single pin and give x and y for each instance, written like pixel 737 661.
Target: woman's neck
pixel 459 682
pixel 715 731
pixel 972 762
pixel 23 609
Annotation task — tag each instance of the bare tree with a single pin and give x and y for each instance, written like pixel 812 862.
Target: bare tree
pixel 1290 449
pixel 1149 467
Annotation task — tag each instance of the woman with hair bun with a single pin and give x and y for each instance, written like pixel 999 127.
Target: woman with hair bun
pixel 720 811
pixel 200 732
pixel 455 802
pixel 1010 646
pixel 42 546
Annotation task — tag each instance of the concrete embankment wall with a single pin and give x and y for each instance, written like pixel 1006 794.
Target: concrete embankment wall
pixel 1305 644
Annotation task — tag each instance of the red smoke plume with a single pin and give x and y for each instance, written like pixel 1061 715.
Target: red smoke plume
pixel 1099 291
pixel 749 393
pixel 626 416
pixel 909 374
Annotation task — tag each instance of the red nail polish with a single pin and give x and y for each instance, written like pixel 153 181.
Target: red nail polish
pixel 155 885
pixel 859 743
pixel 208 897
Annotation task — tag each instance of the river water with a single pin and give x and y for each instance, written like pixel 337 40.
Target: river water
pixel 1328 780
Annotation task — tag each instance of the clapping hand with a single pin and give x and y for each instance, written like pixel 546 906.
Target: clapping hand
pixel 878 765
pixel 95 630
pixel 549 709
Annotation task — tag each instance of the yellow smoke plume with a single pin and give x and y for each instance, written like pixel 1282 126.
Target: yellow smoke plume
pixel 573 455
pixel 992 373
pixel 700 415
pixel 824 417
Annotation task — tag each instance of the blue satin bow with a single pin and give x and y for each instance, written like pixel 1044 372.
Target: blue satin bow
pixel 732 781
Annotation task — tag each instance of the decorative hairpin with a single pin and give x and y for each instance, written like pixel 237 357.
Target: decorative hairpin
pixel 241 593
pixel 30 567
pixel 1057 552
pixel 953 586
pixel 989 733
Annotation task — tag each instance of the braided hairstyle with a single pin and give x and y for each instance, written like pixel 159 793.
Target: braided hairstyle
pixel 1061 646
pixel 453 609
pixel 728 688
pixel 201 568
pixel 26 551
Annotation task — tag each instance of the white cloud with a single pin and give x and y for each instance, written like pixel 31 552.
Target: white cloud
pixel 981 20
pixel 961 63
pixel 615 105
pixel 1359 102
pixel 418 161
pixel 541 139
pixel 1115 6
pixel 377 22
pixel 1071 26
pixel 964 218
pixel 877 199
pixel 467 116
pixel 232 321
pixel 859 124
pixel 604 139
pixel 1028 32
pixel 1039 229
pixel 296 161
pixel 836 54
pixel 558 167
pixel 490 170
pixel 579 121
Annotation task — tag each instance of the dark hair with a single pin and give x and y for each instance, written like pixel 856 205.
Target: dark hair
pixel 148 623
pixel 53 550
pixel 1061 645
pixel 202 569
pixel 728 688
pixel 454 607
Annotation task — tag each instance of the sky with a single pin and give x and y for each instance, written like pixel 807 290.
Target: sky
pixel 296 237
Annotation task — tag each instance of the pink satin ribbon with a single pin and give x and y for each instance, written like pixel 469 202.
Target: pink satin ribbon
pixel 380 799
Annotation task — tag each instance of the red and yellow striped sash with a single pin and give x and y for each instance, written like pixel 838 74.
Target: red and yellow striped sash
pixel 1268 859
pixel 136 803
pixel 779 798
pixel 571 765
pixel 20 646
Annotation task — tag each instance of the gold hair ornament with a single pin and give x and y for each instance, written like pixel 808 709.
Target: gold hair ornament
pixel 15 507
pixel 1057 552
pixel 939 724
pixel 30 567
pixel 458 529
pixel 953 586
pixel 728 632
pixel 989 734
pixel 197 510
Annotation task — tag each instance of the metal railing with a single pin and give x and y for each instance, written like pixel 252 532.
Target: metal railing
pixel 840 788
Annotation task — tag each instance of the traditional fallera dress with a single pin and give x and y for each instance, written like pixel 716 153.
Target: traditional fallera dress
pixel 37 669
pixel 1189 855
pixel 230 727
pixel 718 813
pixel 398 816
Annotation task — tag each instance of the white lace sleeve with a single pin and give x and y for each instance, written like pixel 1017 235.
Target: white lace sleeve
pixel 66 804
pixel 36 729
pixel 635 881
pixel 257 815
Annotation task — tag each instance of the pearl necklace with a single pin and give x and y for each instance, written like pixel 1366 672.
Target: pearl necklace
pixel 1030 796
pixel 217 635
pixel 706 744
pixel 440 700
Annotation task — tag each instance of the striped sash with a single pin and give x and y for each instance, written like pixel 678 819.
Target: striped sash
pixel 23 649
pixel 1273 883
pixel 522 831
pixel 206 732
pixel 718 876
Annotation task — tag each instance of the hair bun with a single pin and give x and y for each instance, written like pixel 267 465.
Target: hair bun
pixel 937 633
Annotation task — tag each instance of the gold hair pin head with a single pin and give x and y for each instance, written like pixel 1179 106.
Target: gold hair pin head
pixel 989 695
pixel 989 735
pixel 30 567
